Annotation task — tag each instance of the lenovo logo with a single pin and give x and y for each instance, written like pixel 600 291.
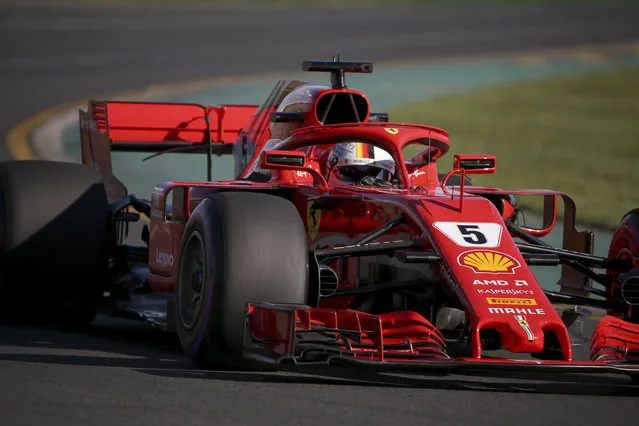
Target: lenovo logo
pixel 165 259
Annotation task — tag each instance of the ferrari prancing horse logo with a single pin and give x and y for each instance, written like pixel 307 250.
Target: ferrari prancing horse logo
pixel 524 324
pixel 391 130
pixel 313 217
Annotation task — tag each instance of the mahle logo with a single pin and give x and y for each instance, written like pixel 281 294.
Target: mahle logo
pixel 517 311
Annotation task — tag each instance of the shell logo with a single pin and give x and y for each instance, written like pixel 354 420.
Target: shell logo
pixel 489 262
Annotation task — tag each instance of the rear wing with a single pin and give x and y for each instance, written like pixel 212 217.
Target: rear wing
pixel 151 127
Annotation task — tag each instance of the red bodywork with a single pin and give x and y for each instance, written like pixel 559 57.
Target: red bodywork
pixel 481 265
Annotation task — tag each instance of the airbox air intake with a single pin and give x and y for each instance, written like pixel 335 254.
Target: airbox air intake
pixel 341 107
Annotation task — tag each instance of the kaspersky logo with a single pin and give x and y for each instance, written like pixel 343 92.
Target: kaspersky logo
pixel 488 261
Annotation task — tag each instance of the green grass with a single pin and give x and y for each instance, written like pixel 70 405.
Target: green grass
pixel 578 134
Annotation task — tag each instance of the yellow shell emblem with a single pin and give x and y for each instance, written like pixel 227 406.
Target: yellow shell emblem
pixel 488 261
pixel 391 130
pixel 313 218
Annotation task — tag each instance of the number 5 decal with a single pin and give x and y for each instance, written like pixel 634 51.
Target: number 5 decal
pixel 471 234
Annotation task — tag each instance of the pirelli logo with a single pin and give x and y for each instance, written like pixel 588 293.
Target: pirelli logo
pixel 516 301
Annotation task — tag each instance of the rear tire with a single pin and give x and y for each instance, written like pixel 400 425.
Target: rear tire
pixel 238 247
pixel 54 228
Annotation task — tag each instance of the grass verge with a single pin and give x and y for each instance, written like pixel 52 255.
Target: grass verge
pixel 578 134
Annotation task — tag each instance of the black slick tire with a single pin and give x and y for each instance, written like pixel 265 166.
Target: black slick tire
pixel 625 245
pixel 238 247
pixel 54 239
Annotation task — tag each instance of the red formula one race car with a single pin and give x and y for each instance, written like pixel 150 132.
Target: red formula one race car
pixel 339 241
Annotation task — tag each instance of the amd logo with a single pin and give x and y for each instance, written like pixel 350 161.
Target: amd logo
pixel 517 283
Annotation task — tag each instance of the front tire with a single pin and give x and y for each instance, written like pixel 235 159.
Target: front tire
pixel 625 245
pixel 238 247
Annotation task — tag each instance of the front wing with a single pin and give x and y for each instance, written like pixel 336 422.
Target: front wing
pixel 402 341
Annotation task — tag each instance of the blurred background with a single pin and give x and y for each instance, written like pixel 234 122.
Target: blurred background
pixel 549 86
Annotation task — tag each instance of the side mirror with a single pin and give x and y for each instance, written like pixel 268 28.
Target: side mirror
pixel 475 163
pixel 287 160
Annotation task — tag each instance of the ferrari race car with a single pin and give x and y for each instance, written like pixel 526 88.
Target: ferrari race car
pixel 338 241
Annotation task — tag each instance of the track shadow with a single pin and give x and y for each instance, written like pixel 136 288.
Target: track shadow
pixel 349 376
pixel 148 351
pixel 110 343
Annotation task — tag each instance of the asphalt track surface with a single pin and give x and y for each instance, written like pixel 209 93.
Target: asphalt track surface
pixel 121 373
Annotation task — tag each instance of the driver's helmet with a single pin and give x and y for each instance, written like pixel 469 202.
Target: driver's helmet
pixel 351 162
